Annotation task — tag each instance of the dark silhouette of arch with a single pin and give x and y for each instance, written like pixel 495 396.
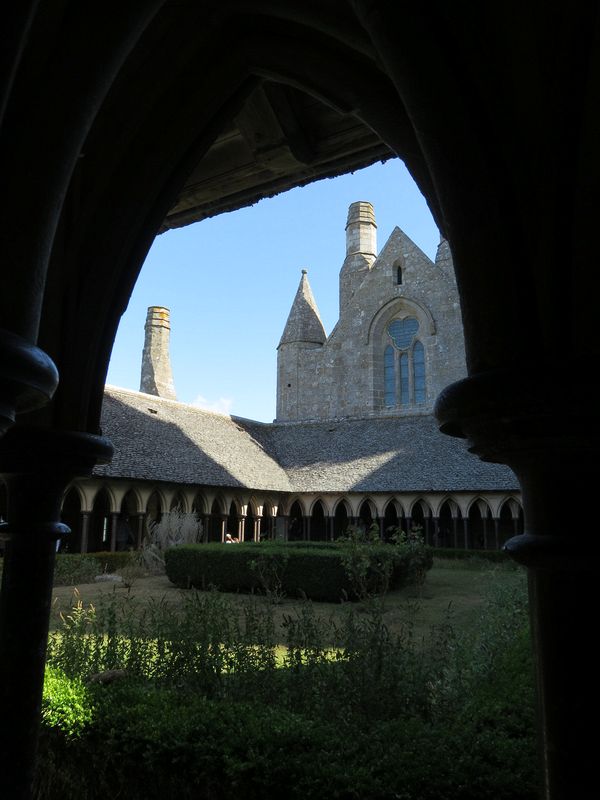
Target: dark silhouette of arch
pixel 71 516
pixel 391 520
pixel 318 523
pixel 340 520
pixel 100 523
pixel 296 523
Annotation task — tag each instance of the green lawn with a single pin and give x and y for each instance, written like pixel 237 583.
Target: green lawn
pixel 457 588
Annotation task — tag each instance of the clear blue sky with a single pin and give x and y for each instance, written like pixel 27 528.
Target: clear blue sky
pixel 229 283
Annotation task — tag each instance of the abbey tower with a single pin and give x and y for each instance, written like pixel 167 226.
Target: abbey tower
pixel 398 341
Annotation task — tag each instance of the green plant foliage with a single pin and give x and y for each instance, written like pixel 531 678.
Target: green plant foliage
pixel 212 713
pixel 66 703
pixel 73 568
pixel 327 572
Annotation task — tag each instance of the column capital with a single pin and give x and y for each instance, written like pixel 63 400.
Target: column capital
pixel 28 377
pixel 27 450
pixel 507 414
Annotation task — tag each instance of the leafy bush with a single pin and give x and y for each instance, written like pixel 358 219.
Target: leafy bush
pixel 325 573
pixel 174 528
pixel 73 568
pixel 376 717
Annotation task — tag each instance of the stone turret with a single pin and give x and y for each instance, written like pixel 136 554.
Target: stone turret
pixel 156 377
pixel 303 332
pixel 361 249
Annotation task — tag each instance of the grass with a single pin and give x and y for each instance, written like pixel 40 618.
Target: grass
pixel 454 587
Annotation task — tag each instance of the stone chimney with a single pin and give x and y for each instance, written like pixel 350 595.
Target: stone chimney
pixel 157 377
pixel 361 231
pixel 361 249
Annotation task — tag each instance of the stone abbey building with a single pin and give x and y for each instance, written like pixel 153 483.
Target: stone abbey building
pixel 354 441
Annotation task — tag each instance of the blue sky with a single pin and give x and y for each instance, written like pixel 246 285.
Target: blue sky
pixel 229 283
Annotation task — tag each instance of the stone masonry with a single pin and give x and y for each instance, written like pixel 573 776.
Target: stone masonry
pixel 156 376
pixel 343 375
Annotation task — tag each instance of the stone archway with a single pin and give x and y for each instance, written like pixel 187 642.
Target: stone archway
pixel 71 516
pixel 318 523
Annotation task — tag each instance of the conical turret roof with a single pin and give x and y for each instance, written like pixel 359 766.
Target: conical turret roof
pixel 304 322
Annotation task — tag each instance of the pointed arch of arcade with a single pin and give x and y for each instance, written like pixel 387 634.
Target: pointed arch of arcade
pixel 510 520
pixel 71 514
pixel 267 520
pixel 216 520
pixel 250 521
pixel 421 517
pixel 393 519
pixel 296 522
pixel 367 513
pixel 449 522
pixel 131 522
pixel 155 508
pixel 317 523
pixel 478 526
pixel 103 521
pixel 341 518
pixel 178 503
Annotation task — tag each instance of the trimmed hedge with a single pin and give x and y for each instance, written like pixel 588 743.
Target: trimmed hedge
pixel 72 568
pixel 318 572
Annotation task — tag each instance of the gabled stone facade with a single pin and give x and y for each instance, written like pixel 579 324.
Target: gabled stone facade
pixel 400 302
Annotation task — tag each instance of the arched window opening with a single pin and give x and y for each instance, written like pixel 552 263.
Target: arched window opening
pixel 478 532
pixel 177 503
pixel 296 523
pixel 447 524
pixel 215 522
pixel 390 521
pixel 399 276
pixel 127 525
pixel 365 516
pixel 233 521
pixel 419 372
pixel 250 524
pixel 266 524
pixel 404 364
pixel 100 523
pixel 389 376
pixel 318 523
pixel 71 515
pixel 340 521
pixel 418 520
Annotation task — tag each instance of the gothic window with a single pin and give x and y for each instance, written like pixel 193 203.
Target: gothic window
pixel 404 364
pixel 399 276
pixel 389 375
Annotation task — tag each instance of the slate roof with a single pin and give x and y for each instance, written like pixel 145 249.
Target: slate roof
pixel 162 440
pixel 184 444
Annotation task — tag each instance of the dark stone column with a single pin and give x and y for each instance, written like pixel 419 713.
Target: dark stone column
pixel 551 442
pixel 466 532
pixel 139 534
pixel 436 531
pixel 114 523
pixel 455 531
pixel 497 532
pixel 37 465
pixel 86 517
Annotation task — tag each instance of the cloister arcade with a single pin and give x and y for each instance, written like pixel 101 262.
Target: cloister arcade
pixel 115 516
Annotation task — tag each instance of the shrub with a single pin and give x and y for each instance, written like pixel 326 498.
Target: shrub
pixel 322 573
pixel 73 568
pixel 174 528
pixel 381 716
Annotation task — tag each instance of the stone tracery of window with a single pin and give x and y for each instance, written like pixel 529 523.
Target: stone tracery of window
pixel 403 364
